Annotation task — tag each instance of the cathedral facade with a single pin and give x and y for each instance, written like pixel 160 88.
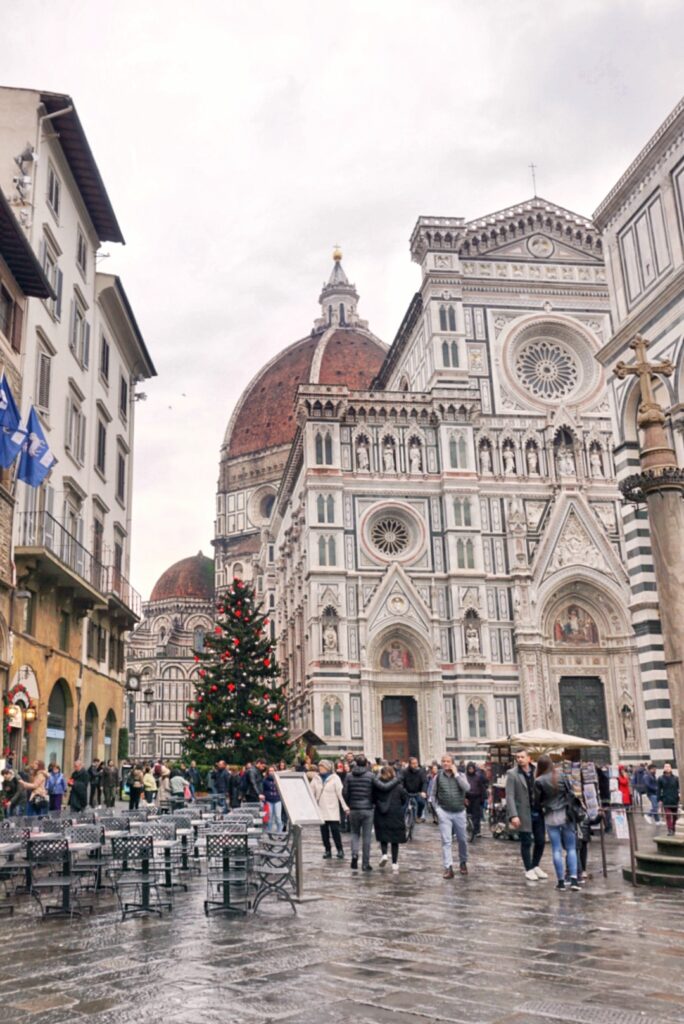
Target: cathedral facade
pixel 436 525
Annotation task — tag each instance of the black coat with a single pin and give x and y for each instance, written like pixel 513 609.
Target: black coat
pixel 358 788
pixel 78 798
pixel 390 826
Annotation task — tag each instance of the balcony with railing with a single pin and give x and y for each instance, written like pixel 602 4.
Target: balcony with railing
pixel 46 550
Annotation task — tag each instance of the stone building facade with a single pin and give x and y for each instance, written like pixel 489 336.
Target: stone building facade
pixel 642 222
pixel 83 355
pixel 161 656
pixel 446 551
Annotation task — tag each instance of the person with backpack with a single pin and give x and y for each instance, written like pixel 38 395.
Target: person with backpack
pixel 56 787
pixel 449 793
pixel 558 803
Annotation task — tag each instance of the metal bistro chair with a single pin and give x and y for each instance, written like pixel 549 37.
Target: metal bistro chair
pixel 12 844
pixel 167 850
pixel 53 855
pixel 189 860
pixel 228 873
pixel 135 877
pixel 89 868
pixel 274 866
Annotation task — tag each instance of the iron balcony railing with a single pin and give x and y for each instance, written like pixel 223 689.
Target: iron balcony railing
pixel 117 584
pixel 42 530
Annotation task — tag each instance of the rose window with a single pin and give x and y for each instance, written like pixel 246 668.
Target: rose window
pixel 390 535
pixel 547 369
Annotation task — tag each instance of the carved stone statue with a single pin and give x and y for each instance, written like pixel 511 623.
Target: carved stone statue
pixel 596 464
pixel 566 462
pixel 485 459
pixel 415 458
pixel 388 458
pixel 330 639
pixel 472 640
pixel 362 460
pixel 628 725
pixel 509 461
pixel 532 461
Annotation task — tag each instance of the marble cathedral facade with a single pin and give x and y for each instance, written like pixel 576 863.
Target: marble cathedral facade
pixel 444 548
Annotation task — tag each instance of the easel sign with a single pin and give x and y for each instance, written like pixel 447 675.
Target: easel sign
pixel 300 803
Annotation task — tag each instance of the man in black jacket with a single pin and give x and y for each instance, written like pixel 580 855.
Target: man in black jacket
pixel 477 798
pixel 253 783
pixel 415 784
pixel 359 785
pixel 95 778
pixel 668 795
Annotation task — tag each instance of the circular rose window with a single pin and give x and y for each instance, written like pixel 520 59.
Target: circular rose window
pixel 390 535
pixel 547 369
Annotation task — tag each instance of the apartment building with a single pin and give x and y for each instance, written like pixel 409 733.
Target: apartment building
pixel 84 354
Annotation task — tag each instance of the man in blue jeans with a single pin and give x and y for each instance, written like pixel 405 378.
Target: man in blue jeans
pixel 449 796
pixel 524 815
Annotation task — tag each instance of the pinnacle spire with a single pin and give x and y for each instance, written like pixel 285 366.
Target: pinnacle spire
pixel 338 298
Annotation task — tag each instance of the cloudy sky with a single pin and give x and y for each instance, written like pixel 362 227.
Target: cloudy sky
pixel 240 141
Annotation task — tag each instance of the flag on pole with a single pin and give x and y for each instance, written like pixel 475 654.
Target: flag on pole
pixel 12 433
pixel 36 459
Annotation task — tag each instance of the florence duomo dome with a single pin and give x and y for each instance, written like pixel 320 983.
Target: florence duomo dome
pixel 339 349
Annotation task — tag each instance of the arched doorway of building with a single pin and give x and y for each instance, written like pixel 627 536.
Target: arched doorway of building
pixel 583 712
pixel 90 734
pixel 110 752
pixel 55 734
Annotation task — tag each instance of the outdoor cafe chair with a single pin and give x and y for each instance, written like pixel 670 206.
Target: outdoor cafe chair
pixel 135 877
pixel 88 868
pixel 228 873
pixel 274 866
pixel 50 874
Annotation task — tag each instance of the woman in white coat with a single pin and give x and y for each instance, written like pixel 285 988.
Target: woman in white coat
pixel 327 789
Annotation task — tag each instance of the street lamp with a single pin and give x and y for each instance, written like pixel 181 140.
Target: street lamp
pixel 148 696
pixel 30 714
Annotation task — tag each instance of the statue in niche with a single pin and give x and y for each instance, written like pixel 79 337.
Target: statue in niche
pixel 472 640
pixel 485 459
pixel 362 459
pixel 415 458
pixel 596 464
pixel 628 725
pixel 532 461
pixel 388 458
pixel 566 462
pixel 330 639
pixel 509 460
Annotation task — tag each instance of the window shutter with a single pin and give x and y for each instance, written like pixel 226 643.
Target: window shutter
pixel 49 523
pixel 82 438
pixel 72 326
pixel 80 554
pixel 59 277
pixel 68 445
pixel 42 254
pixel 17 325
pixel 86 344
pixel 44 381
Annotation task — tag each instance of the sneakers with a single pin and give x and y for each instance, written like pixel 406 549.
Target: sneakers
pixel 574 885
pixel 366 867
pixel 648 819
pixel 382 861
pixel 340 854
pixel 354 863
pixel 560 885
pixel 463 869
pixel 448 872
pixel 531 875
pixel 327 855
pixel 395 868
pixel 539 873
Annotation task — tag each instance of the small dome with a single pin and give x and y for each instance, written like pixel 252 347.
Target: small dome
pixel 191 577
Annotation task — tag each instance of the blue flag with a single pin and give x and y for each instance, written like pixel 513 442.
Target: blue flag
pixel 36 459
pixel 12 433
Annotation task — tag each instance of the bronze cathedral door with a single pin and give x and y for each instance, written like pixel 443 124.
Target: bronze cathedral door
pixel 583 711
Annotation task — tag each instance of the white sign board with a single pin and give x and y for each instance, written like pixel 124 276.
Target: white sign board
pixel 620 825
pixel 300 803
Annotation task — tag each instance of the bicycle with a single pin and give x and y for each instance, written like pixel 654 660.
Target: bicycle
pixel 410 815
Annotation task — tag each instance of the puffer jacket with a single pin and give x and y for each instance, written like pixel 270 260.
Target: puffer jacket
pixel 358 789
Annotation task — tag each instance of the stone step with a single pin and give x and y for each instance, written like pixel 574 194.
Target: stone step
pixel 660 863
pixel 671 845
pixel 655 878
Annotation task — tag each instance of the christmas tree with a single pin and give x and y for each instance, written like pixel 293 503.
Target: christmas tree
pixel 238 710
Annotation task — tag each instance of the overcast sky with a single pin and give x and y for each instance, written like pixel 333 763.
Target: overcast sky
pixel 240 141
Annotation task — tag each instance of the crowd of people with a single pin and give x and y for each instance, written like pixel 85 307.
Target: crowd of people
pixel 537 802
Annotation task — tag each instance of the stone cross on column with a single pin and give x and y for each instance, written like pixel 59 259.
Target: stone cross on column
pixel 656 451
pixel 661 486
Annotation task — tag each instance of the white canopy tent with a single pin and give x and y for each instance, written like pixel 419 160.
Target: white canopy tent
pixel 543 741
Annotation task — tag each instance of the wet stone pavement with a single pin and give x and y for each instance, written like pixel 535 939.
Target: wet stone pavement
pixel 372 948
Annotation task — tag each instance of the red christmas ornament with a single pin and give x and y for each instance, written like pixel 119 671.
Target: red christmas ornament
pixel 276 717
pixel 231 686
pixel 238 614
pixel 197 657
pixel 213 687
pixel 218 631
pixel 267 663
pixel 236 735
pixel 267 622
pixel 202 673
pixel 261 737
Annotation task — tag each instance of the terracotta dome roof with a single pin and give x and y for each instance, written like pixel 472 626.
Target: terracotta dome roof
pixel 264 416
pixel 191 577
